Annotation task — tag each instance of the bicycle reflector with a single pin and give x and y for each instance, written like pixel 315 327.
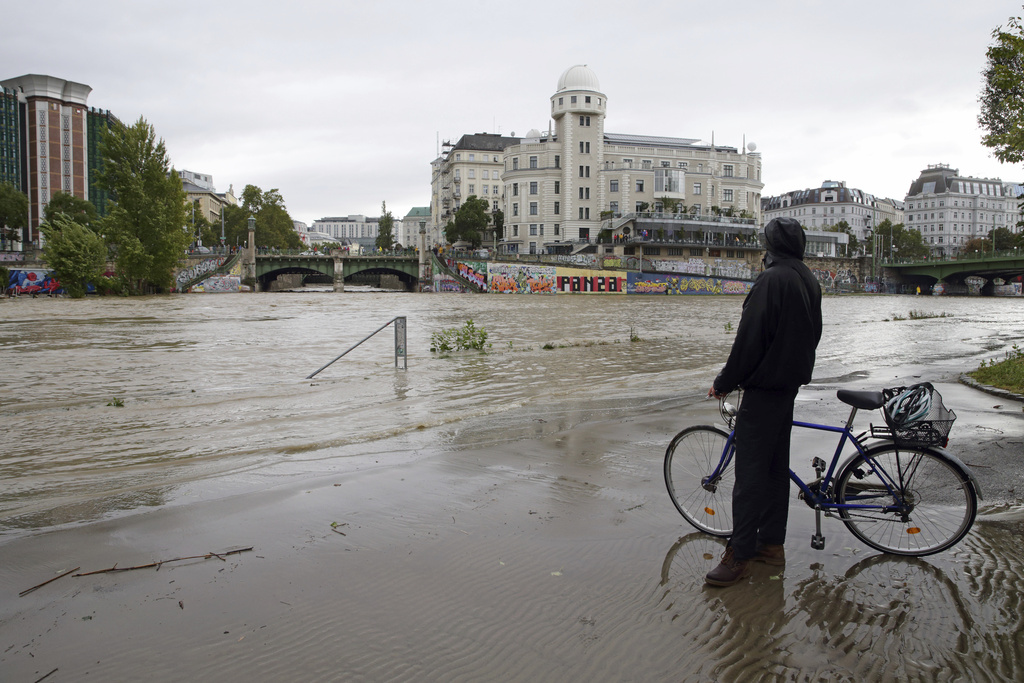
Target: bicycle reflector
pixel 710 511
pixel 914 530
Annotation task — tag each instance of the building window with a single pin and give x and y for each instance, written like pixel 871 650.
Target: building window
pixel 639 208
pixel 556 229
pixel 515 189
pixel 584 148
pixel 696 188
pixel 628 163
pixel 561 101
pixel 613 186
pixel 581 213
pixel 515 231
pixel 581 171
pixel 727 171
pixel 533 162
pixel 515 208
pixel 587 168
pixel 586 99
pixel 515 163
pixel 533 229
pixel 533 208
pixel 640 185
pixel 558 208
pixel 572 99
pixel 495 189
pixel 472 188
pixel 558 161
pixel 487 175
pixel 613 207
pixel 558 187
pixel 485 188
pixel 584 121
pixel 645 164
pixel 727 195
pixel 471 173
pixel 533 187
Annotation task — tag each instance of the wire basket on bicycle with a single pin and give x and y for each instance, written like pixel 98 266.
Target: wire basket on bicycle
pixel 915 416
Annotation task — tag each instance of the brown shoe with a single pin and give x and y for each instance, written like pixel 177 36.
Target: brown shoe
pixel 774 555
pixel 730 572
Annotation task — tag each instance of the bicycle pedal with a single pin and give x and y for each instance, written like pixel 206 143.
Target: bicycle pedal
pixel 818 542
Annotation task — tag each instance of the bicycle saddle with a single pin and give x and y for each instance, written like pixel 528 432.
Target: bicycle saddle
pixel 862 400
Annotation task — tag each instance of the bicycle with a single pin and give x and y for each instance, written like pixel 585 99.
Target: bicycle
pixel 900 492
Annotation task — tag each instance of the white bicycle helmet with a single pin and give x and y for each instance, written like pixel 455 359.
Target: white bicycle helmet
pixel 910 405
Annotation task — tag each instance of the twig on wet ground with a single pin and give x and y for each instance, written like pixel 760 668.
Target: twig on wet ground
pixel 40 585
pixel 159 564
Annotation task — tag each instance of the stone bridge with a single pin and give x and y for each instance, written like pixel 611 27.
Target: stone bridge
pixel 955 272
pixel 339 268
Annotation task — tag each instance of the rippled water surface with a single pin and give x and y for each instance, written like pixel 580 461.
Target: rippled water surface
pixel 215 385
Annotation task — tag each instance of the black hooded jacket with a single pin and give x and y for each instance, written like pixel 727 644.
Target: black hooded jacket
pixel 781 321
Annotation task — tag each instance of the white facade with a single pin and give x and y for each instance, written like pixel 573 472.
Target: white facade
pixel 833 202
pixel 407 233
pixel 357 228
pixel 558 189
pixel 949 210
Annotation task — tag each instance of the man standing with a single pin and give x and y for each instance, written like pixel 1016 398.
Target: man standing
pixel 771 357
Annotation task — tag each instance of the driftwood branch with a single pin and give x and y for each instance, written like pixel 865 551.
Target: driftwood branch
pixel 55 670
pixel 59 576
pixel 115 568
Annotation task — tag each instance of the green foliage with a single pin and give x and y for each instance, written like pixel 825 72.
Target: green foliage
pixel 470 220
pixel 843 226
pixel 77 255
pixel 274 227
pixel 145 223
pixel 80 211
pixel 670 205
pixel 1002 94
pixel 899 242
pixel 13 212
pixel 924 315
pixel 469 336
pixel 1006 374
pixel 633 336
pixel 116 402
pixel 498 219
pixel 385 229
pixel 199 225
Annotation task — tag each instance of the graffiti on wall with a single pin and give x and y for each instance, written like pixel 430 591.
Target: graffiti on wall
pixel 32 282
pixel 660 283
pixel 446 283
pixel 219 284
pixel 202 268
pixel 12 256
pixel 520 278
pixel 473 271
pixel 587 260
pixel 834 278
pixel 573 281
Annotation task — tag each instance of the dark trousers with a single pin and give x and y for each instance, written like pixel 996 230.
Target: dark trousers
pixel 760 498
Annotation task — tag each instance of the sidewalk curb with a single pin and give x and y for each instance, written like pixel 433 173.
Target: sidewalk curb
pixel 995 391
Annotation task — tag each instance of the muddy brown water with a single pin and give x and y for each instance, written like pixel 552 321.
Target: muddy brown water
pixel 503 513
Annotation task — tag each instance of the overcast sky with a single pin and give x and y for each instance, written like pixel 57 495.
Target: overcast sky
pixel 340 105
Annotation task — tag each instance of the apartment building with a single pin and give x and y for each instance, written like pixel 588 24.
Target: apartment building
pixel 949 209
pixel 358 229
pixel 832 203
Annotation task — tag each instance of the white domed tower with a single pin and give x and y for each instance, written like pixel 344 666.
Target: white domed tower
pixel 578 108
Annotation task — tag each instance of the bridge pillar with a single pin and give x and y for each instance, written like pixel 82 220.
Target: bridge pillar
pixel 339 275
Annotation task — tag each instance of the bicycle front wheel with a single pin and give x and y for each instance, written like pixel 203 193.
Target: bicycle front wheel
pixel 913 501
pixel 701 495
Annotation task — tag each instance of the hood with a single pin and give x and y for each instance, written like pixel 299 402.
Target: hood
pixel 785 238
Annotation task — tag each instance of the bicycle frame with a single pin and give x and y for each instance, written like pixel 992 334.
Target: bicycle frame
pixel 819 498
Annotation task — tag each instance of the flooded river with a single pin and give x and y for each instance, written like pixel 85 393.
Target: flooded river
pixel 111 404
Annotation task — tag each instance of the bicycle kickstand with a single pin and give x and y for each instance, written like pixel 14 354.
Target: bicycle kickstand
pixel 817 540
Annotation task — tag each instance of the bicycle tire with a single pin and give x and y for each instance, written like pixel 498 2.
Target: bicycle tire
pixel 693 454
pixel 940 501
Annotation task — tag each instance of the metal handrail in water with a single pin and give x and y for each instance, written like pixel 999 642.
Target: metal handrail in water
pixel 399 344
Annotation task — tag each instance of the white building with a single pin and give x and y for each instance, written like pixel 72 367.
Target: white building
pixel 832 203
pixel 407 233
pixel 949 209
pixel 559 189
pixel 357 228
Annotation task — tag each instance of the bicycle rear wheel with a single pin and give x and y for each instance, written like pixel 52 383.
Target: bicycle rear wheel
pixel 917 501
pixel 690 460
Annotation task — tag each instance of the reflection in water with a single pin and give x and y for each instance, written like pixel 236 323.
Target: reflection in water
pixel 884 618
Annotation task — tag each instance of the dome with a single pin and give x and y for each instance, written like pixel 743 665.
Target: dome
pixel 578 77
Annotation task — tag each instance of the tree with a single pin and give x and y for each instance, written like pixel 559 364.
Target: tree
pixel 385 229
pixel 470 219
pixel 1002 94
pixel 81 211
pixel 274 227
pixel 77 255
pixel 13 214
pixel 843 226
pixel 896 241
pixel 146 220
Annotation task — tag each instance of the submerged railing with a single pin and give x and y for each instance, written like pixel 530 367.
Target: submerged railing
pixel 400 349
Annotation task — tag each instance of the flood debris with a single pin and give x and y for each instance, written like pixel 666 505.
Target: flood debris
pixel 206 556
pixel 40 585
